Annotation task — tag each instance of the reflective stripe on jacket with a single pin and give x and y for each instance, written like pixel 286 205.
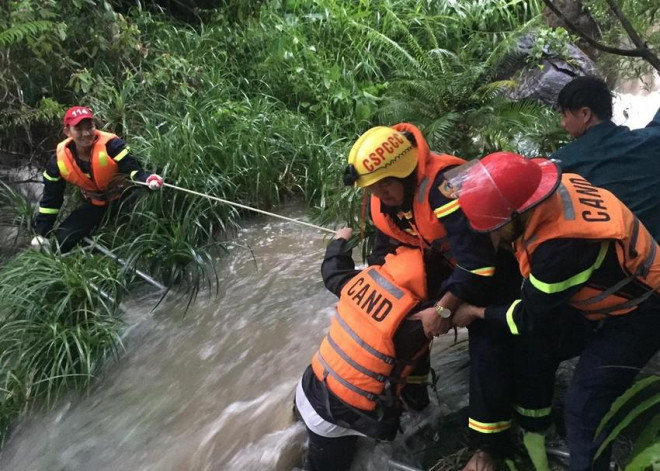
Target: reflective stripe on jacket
pixel 580 210
pixel 103 169
pixel 357 359
pixel 427 228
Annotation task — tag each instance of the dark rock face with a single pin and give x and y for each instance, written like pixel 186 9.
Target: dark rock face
pixel 543 81
pixel 580 17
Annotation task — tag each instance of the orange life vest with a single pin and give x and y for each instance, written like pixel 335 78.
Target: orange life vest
pixel 357 360
pixel 427 228
pixel 103 169
pixel 582 211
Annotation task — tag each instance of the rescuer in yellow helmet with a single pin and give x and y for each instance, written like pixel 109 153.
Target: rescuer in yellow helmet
pixel 411 204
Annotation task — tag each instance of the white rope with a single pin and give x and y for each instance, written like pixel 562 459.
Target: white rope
pixel 215 198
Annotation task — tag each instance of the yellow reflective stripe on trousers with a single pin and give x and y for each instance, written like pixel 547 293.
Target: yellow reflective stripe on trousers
pixel 122 154
pixel 486 427
pixel 533 413
pixel 446 209
pixel 509 317
pixel 551 288
pixel 49 178
pixel 48 210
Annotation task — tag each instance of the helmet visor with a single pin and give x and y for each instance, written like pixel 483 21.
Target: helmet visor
pixel 490 194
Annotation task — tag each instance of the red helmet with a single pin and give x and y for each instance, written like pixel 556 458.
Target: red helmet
pixel 492 189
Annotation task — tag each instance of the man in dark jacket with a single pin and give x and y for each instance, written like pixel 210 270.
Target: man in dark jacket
pixel 625 162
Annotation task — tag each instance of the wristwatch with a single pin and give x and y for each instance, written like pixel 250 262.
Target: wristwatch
pixel 442 311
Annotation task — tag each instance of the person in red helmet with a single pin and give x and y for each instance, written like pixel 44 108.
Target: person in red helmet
pixel 97 162
pixel 591 277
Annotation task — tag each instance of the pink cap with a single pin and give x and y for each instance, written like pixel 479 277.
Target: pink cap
pixel 76 114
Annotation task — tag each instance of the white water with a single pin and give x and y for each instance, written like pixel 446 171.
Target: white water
pixel 209 391
pixel 636 101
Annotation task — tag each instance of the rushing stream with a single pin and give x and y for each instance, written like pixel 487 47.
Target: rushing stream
pixel 209 391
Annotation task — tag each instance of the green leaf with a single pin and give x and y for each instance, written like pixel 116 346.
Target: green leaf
pixel 636 412
pixel 648 457
pixel 624 398
pixel 649 435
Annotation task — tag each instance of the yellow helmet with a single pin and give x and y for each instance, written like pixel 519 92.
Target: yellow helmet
pixel 379 153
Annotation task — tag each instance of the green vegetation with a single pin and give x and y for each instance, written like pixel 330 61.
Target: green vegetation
pixel 251 104
pixel 641 401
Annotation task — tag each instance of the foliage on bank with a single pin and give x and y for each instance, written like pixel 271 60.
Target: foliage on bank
pixel 249 105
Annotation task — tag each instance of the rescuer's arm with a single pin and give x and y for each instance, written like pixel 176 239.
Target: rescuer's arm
pixel 474 253
pixel 338 266
pixel 126 161
pixel 560 267
pixel 51 199
pixel 409 338
pixel 383 245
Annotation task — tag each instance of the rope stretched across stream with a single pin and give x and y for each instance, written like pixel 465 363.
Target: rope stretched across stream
pixel 215 198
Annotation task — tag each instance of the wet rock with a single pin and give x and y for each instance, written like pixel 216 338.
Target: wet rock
pixel 578 16
pixel 542 81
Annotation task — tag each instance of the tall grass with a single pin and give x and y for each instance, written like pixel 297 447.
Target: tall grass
pixel 58 321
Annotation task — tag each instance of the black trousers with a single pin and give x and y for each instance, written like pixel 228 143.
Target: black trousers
pixel 85 218
pixel 330 454
pixel 517 373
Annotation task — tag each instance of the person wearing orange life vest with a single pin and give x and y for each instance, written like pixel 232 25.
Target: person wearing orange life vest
pixel 353 383
pixel 410 205
pixel 94 161
pixel 592 274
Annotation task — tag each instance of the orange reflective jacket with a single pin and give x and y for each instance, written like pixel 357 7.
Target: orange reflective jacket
pixel 103 168
pixel 357 359
pixel 582 211
pixel 427 227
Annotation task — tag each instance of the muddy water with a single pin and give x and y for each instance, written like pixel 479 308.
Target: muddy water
pixel 208 391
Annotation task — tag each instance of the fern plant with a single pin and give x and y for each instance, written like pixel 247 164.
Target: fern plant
pixel 444 70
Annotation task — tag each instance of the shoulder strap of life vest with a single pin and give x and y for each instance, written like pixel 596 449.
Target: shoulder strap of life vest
pixel 70 170
pixel 104 167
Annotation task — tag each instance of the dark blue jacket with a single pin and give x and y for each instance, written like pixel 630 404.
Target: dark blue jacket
pixel 625 162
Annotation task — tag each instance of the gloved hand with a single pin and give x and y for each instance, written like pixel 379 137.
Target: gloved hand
pixel 154 181
pixel 40 243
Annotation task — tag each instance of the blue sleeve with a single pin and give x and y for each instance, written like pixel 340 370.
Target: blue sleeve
pixel 51 199
pixel 127 163
pixel 474 253
pixel 556 268
pixel 338 266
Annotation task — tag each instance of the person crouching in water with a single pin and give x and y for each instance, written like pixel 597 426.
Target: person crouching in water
pixel 95 161
pixel 352 387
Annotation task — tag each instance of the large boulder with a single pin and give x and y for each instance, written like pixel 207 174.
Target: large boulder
pixel 543 80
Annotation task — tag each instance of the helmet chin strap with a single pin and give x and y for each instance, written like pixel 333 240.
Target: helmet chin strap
pixel 351 175
pixel 518 228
